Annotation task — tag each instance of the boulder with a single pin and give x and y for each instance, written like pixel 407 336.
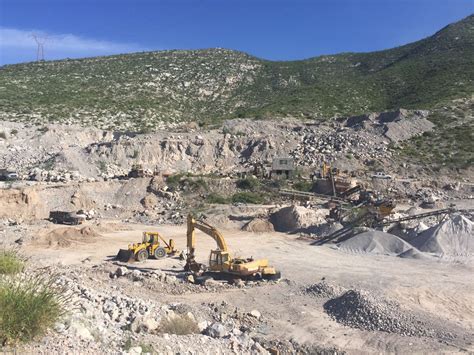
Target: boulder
pixel 216 330
pixel 256 314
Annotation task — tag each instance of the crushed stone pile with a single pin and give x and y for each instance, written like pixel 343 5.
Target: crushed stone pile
pixel 451 237
pixel 258 225
pixel 297 218
pixel 375 242
pixel 324 289
pixel 361 310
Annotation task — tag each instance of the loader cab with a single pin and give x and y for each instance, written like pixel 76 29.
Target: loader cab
pixel 150 238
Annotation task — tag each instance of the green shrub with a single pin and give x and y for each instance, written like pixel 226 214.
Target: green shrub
pixel 102 166
pixel 29 306
pixel 216 198
pixel 304 186
pixel 10 262
pixel 179 325
pixel 14 131
pixel 247 197
pixel 197 185
pixel 3 135
pixel 174 180
pixel 247 184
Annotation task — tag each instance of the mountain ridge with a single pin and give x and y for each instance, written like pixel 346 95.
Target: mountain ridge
pixel 140 91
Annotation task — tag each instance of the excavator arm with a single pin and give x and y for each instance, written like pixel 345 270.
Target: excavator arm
pixel 191 239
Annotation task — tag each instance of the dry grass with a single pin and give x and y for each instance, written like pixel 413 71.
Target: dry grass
pixel 11 262
pixel 179 325
pixel 29 304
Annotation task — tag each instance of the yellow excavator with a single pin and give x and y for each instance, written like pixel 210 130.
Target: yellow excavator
pixel 221 261
pixel 149 246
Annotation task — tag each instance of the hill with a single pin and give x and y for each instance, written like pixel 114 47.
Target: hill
pixel 138 91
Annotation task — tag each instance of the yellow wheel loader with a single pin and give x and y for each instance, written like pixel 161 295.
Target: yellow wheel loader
pixel 221 261
pixel 149 247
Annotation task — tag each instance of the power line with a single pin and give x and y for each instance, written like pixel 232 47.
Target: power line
pixel 40 41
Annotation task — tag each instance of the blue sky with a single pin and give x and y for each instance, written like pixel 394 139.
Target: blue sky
pixel 271 29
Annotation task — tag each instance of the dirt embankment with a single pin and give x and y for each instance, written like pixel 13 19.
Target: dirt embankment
pixel 65 237
pixel 113 198
pixel 23 204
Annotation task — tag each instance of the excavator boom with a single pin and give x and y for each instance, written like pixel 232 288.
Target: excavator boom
pixel 206 228
pixel 191 240
pixel 220 259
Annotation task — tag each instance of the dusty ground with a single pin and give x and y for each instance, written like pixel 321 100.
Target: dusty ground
pixel 443 291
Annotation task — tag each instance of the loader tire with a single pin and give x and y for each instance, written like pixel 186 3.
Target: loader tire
pixel 160 253
pixel 142 255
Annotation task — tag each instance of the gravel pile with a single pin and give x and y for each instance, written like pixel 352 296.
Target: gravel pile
pixel 451 237
pixel 362 310
pixel 375 242
pixel 324 289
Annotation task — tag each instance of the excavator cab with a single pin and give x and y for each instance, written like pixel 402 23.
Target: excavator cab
pixel 219 260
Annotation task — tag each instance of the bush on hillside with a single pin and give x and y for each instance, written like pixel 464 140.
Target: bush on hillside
pixel 247 197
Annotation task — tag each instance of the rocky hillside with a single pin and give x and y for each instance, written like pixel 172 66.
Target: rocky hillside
pixel 142 90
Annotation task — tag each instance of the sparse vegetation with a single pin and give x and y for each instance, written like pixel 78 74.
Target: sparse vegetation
pixel 122 90
pixel 449 145
pixel 217 199
pixel 303 185
pixel 197 184
pixel 174 180
pixel 29 306
pixel 248 184
pixel 102 165
pixel 247 197
pixel 48 164
pixel 179 325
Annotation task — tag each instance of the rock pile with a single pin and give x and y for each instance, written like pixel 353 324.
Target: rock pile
pixel 38 174
pixel 316 147
pixel 362 310
pixel 297 218
pixel 324 289
pixel 258 225
pixel 109 317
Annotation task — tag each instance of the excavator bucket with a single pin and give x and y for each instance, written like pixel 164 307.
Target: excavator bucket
pixel 125 255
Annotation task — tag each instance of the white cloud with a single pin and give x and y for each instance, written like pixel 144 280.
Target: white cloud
pixel 18 45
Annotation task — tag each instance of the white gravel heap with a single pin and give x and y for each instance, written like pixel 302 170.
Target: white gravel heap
pixel 452 237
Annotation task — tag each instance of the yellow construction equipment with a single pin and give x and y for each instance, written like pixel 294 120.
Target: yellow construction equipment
pixel 150 246
pixel 221 260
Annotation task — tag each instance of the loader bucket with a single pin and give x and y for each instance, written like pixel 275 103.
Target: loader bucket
pixel 125 255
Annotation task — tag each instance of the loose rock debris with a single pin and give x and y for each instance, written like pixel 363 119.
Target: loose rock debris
pixel 362 310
